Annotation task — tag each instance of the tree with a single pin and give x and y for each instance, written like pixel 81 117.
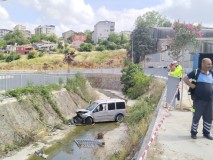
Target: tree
pixel 69 39
pixel 124 39
pixel 60 45
pixel 15 37
pixel 52 38
pixel 185 39
pixel 114 38
pixel 88 34
pixel 142 43
pixel 2 44
pixel 153 19
pixel 141 37
pixel 35 38
pixel 69 55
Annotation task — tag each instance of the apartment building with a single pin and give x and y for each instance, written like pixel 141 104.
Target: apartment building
pixel 67 35
pixel 3 32
pixel 102 30
pixel 45 29
pixel 19 27
pixel 23 29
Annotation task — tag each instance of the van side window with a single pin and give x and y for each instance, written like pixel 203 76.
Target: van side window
pixel 120 105
pixel 111 106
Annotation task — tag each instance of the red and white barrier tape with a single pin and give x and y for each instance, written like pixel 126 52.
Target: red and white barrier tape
pixel 144 154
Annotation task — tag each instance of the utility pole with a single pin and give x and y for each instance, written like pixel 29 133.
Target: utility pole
pixel 132 51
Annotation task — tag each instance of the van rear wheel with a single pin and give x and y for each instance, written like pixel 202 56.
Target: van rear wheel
pixel 119 118
pixel 88 120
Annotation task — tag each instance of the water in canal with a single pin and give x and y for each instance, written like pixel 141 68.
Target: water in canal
pixel 68 150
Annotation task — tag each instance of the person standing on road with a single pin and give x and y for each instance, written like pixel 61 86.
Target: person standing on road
pixel 202 98
pixel 176 70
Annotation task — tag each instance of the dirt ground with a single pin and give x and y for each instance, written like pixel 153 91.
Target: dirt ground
pixel 114 142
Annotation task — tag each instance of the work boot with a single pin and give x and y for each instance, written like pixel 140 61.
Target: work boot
pixel 208 136
pixel 193 136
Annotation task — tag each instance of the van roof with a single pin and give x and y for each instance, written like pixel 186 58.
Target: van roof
pixel 109 100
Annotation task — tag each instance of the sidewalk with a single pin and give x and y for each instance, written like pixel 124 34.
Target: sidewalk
pixel 173 141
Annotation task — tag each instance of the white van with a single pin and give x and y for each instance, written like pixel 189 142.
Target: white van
pixel 102 110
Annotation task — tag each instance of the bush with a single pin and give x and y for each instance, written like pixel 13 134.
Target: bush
pixel 141 84
pixel 3 57
pixel 135 83
pixel 41 54
pixel 12 57
pixel 86 47
pixel 112 46
pixel 145 104
pixel 100 48
pixel 33 54
pixel 78 86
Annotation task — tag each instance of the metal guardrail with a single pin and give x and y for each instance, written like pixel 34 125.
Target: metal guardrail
pixel 13 81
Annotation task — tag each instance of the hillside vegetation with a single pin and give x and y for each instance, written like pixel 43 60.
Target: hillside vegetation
pixel 94 59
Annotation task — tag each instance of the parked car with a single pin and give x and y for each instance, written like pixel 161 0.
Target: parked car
pixel 151 67
pixel 165 67
pixel 100 111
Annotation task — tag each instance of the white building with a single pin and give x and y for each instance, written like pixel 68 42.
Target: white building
pixel 126 33
pixel 20 27
pixel 67 35
pixel 23 29
pixel 3 32
pixel 45 29
pixel 102 30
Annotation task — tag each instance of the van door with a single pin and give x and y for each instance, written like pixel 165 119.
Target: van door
pixel 120 108
pixel 111 112
pixel 99 113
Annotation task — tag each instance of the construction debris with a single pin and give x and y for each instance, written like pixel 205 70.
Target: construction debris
pixel 88 143
pixel 41 154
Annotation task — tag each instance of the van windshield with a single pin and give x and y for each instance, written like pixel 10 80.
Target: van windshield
pixel 92 106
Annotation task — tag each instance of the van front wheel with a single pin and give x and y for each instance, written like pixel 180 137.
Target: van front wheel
pixel 119 118
pixel 88 120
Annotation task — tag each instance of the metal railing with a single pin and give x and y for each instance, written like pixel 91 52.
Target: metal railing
pixel 13 81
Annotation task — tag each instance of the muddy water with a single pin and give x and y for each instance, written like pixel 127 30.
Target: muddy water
pixel 68 150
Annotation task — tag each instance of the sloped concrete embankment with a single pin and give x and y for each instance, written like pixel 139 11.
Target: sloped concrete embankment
pixel 20 120
pixel 107 81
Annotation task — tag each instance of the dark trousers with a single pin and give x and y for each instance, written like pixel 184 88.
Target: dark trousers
pixel 202 108
pixel 178 95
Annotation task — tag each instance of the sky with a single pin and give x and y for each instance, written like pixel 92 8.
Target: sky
pixel 79 15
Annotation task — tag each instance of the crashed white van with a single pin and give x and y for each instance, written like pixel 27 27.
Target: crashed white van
pixel 100 111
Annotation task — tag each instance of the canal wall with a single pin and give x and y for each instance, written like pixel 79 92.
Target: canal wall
pixel 32 117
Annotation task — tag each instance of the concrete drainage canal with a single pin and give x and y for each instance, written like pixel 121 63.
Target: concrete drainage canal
pixel 82 143
pixel 85 140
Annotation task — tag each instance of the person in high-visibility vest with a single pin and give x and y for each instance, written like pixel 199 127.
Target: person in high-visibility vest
pixel 176 70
